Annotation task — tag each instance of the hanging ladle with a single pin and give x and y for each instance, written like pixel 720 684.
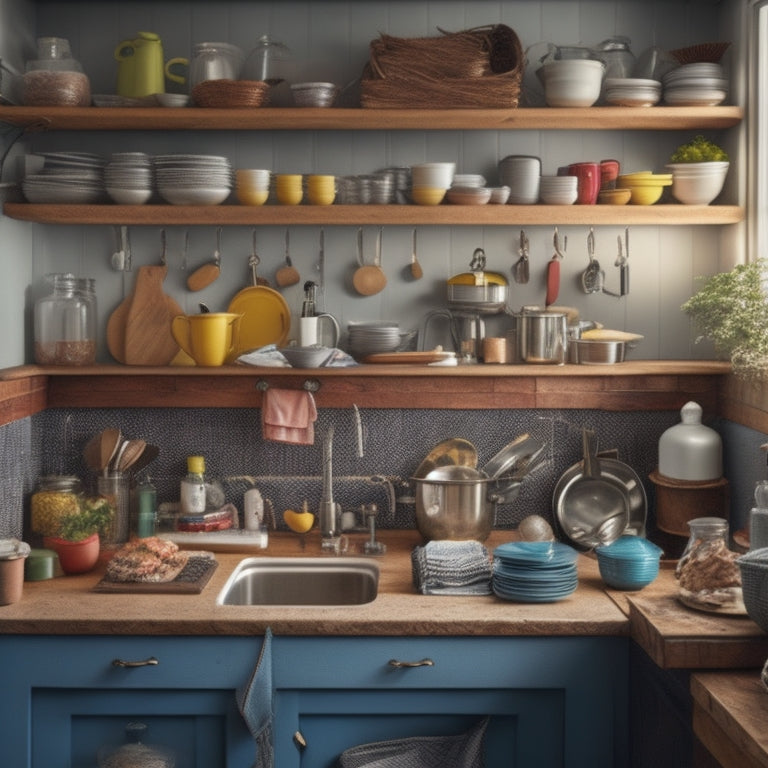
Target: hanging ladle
pixel 369 279
pixel 287 274
pixel 593 277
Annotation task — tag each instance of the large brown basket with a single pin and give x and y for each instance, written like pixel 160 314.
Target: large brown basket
pixel 231 94
pixel 476 68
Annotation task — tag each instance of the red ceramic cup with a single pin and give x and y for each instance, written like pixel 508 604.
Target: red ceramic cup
pixel 589 177
pixel 609 172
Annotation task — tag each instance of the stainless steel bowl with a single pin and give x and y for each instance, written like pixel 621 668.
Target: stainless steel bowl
pixel 596 351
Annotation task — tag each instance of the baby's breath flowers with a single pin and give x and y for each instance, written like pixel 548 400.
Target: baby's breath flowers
pixel 731 309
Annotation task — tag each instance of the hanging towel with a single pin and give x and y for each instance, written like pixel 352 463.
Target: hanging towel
pixel 254 700
pixel 288 416
pixel 452 568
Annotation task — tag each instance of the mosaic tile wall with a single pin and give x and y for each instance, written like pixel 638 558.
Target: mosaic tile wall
pixel 394 443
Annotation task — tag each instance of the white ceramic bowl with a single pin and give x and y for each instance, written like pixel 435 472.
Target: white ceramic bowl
pixel 572 82
pixel 172 99
pixel 126 196
pixel 434 175
pixel 697 185
pixel 314 94
pixel 468 195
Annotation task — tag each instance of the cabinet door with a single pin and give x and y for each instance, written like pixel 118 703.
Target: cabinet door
pixel 551 701
pixel 69 698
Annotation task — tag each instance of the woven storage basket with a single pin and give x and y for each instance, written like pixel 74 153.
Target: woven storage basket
pixel 477 68
pixel 754 585
pixel 230 94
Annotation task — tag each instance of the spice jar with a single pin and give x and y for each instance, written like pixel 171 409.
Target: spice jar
pixel 56 497
pixel 65 322
pixel 54 78
pixel 707 573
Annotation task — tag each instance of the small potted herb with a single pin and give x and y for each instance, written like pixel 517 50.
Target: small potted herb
pixel 698 171
pixel 731 309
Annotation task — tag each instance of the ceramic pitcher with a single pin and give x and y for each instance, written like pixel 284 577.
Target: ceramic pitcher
pixel 141 70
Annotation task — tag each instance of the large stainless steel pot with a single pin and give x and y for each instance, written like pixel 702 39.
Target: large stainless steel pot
pixel 542 337
pixel 478 291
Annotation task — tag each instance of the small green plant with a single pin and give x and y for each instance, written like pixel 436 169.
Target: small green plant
pixel 700 150
pixel 95 516
pixel 731 309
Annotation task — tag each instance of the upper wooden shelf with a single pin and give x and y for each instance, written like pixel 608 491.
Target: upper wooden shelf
pixel 348 215
pixel 292 118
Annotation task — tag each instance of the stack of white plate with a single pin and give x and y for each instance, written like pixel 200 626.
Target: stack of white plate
pixel 193 179
pixel 521 174
pixel 372 338
pixel 559 190
pixel 700 84
pixel 468 180
pixel 129 178
pixel 631 92
pixel 67 177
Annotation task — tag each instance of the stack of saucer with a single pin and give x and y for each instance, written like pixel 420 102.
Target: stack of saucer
pixel 129 178
pixel 534 571
pixel 372 338
pixel 700 84
pixel 193 179
pixel 66 177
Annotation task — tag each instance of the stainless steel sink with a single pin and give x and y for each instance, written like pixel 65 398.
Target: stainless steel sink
pixel 301 581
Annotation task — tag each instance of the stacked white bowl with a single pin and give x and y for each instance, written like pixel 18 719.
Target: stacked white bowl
pixel 572 82
pixel 372 338
pixel 468 180
pixel 559 190
pixel 432 176
pixel 193 179
pixel 699 84
pixel 129 178
pixel 697 183
pixel 521 173
pixel 631 92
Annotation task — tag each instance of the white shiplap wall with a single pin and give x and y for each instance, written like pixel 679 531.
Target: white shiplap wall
pixel 330 41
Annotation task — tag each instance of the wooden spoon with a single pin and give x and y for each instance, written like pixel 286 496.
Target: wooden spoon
pixel 288 274
pixel 416 271
pixel 92 453
pixel 130 454
pixel 110 440
pixel 368 279
pixel 203 276
pixel 145 458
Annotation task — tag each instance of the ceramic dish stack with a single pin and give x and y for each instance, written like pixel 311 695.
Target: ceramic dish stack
pixel 630 562
pixel 558 190
pixel 696 85
pixel 193 179
pixel 67 177
pixel 631 92
pixel 372 338
pixel 521 173
pixel 534 571
pixel 129 178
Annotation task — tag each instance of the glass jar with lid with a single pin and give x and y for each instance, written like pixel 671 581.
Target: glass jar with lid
pixel 54 78
pixel 65 322
pixel 56 497
pixel 707 573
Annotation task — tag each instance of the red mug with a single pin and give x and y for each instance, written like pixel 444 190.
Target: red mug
pixel 609 172
pixel 589 177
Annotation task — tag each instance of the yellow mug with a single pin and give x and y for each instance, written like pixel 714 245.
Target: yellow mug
pixel 209 338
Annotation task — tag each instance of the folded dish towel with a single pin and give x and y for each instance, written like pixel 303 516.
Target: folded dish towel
pixel 254 700
pixel 452 568
pixel 288 416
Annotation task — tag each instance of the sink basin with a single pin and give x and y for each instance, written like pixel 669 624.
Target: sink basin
pixel 301 581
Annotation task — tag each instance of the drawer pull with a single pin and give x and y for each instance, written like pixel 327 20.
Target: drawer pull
pixel 397 664
pixel 299 741
pixel 150 662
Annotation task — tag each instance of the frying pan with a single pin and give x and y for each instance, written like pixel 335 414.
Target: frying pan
pixel 591 505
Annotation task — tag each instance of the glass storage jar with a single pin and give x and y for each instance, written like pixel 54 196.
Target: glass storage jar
pixel 65 322
pixel 54 78
pixel 56 497
pixel 707 573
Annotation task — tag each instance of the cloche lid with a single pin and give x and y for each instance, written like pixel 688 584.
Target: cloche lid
pixel 690 450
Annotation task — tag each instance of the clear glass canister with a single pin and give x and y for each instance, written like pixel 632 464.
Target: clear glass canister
pixel 56 497
pixel 54 78
pixel 65 322
pixel 707 573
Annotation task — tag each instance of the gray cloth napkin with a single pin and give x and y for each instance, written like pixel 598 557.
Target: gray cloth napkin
pixel 452 568
pixel 254 700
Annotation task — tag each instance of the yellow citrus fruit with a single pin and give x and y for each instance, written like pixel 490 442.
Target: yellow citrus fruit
pixel 298 522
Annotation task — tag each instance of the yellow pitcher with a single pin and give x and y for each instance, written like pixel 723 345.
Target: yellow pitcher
pixel 141 71
pixel 209 338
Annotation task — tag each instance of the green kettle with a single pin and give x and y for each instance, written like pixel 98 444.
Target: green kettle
pixel 141 70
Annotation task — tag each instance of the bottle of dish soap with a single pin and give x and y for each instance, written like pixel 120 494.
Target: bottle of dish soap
pixel 193 487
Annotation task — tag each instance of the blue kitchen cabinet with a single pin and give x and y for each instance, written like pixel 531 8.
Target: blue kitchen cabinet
pixel 554 701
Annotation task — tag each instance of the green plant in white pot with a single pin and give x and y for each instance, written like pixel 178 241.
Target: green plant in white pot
pixel 698 171
pixel 731 309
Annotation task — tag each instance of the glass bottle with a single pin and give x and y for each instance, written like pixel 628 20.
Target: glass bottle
pixel 267 61
pixel 146 517
pixel 65 323
pixel 193 487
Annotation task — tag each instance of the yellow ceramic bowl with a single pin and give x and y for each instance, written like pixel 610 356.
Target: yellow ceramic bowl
pixel 248 196
pixel 321 196
pixel 645 195
pixel 427 195
pixel 289 196
pixel 614 196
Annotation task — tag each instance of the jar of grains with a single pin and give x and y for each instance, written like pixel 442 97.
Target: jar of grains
pixel 54 78
pixel 65 322
pixel 56 497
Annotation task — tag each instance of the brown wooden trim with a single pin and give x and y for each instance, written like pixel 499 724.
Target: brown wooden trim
pixel 20 398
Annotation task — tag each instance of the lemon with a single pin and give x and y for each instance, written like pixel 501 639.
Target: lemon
pixel 299 522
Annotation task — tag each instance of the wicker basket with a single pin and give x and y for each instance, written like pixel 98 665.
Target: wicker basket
pixel 754 585
pixel 231 94
pixel 474 69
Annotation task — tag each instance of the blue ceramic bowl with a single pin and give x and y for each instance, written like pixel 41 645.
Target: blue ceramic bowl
pixel 630 562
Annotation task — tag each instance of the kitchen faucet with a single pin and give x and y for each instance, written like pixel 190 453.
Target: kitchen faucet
pixel 328 513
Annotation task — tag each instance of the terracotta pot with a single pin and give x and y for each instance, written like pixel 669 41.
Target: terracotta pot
pixel 75 556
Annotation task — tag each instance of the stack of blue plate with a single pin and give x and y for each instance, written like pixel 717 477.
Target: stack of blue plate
pixel 534 571
pixel 630 562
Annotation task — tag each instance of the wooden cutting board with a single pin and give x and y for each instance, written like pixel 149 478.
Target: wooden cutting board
pixel 148 339
pixel 116 329
pixel 196 574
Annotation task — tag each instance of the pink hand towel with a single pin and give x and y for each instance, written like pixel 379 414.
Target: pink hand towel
pixel 288 416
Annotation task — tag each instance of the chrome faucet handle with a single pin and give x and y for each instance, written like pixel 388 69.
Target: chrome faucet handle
pixel 372 547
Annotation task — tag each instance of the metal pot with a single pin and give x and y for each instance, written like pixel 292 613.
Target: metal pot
pixel 478 291
pixel 454 502
pixel 542 337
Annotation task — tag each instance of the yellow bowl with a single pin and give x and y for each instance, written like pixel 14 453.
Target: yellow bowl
pixel 427 195
pixel 321 196
pixel 614 196
pixel 247 196
pixel 645 195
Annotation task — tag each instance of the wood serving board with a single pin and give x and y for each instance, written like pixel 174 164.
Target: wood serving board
pixel 413 358
pixel 191 581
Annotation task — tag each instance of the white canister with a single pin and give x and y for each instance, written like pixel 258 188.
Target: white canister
pixel 689 450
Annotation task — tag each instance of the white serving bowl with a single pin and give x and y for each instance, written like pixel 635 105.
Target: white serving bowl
pixel 126 196
pixel 697 184
pixel 434 175
pixel 572 82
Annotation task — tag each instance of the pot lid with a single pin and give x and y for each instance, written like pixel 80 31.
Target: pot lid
pixel 477 274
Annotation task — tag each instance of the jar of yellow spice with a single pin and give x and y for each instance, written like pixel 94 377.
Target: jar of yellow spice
pixel 56 497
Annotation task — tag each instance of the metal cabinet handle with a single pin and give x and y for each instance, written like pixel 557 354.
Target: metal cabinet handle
pixel 150 662
pixel 397 664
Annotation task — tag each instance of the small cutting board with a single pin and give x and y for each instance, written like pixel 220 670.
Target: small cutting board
pixel 148 338
pixel 194 576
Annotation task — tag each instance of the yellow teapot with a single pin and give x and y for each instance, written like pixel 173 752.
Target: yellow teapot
pixel 141 71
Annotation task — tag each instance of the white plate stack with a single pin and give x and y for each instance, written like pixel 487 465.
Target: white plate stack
pixel 696 85
pixel 559 190
pixel 129 178
pixel 372 338
pixel 632 92
pixel 193 179
pixel 67 177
